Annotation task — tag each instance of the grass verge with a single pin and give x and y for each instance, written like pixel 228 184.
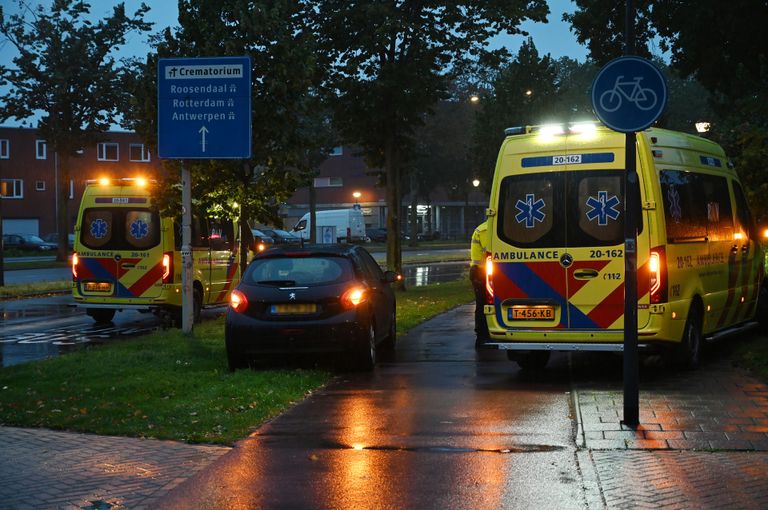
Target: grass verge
pixel 752 353
pixel 21 290
pixel 167 386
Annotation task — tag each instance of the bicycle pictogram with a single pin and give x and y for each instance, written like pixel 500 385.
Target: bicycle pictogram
pixel 612 99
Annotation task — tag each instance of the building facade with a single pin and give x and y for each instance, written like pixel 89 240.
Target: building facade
pixel 29 171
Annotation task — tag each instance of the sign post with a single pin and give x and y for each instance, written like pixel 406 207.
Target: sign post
pixel 204 112
pixel 628 95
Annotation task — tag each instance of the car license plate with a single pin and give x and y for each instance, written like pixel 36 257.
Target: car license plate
pixel 531 313
pixel 293 308
pixel 97 287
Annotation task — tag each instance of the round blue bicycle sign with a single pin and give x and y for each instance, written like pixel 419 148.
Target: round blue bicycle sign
pixel 629 94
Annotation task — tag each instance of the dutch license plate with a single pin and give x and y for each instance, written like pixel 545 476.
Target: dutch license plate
pixel 97 287
pixel 531 313
pixel 294 308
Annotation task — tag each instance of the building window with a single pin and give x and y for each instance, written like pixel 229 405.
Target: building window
pixel 12 188
pixel 336 151
pixel 5 149
pixel 39 185
pixel 107 151
pixel 328 182
pixel 41 150
pixel 137 152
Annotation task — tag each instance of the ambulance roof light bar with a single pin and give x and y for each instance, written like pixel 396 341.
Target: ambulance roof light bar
pixel 574 128
pixel 124 181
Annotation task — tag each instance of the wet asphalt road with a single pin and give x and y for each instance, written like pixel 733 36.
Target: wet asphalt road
pixel 438 426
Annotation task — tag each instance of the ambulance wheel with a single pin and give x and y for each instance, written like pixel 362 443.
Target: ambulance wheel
pixel 197 304
pixel 690 347
pixel 101 315
pixel 761 315
pixel 532 361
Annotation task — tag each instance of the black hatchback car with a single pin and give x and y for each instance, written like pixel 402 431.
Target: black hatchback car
pixel 312 299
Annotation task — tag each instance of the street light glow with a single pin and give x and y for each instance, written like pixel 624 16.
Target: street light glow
pixel 703 127
pixel 474 98
pixel 475 182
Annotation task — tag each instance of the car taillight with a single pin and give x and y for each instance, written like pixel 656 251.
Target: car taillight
pixel 168 267
pixel 238 301
pixel 75 262
pixel 657 267
pixel 353 297
pixel 489 279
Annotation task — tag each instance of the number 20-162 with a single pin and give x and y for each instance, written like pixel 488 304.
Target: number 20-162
pixel 598 254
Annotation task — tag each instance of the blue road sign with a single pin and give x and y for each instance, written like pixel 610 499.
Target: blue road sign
pixel 204 108
pixel 629 94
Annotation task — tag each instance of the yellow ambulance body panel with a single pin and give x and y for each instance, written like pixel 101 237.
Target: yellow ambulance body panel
pixel 128 256
pixel 556 247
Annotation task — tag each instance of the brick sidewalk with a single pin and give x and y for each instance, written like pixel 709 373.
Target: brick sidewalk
pixel 716 408
pixel 49 469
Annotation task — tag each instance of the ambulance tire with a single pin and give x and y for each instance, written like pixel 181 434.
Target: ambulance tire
pixel 101 315
pixel 689 354
pixel 761 315
pixel 533 361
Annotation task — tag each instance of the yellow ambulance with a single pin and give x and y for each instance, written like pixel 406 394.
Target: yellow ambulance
pixel 128 257
pixel 555 265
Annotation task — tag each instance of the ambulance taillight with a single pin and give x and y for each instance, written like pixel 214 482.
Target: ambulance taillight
pixel 75 263
pixel 168 267
pixel 489 279
pixel 657 266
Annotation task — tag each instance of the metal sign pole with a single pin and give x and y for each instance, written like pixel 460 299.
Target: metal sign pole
pixel 187 317
pixel 631 369
pixel 632 200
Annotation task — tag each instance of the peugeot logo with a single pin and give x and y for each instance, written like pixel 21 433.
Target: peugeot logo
pixel 292 296
pixel 566 260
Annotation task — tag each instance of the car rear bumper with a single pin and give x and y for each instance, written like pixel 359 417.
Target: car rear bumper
pixel 341 333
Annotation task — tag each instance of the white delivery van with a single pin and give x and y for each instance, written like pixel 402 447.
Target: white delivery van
pixel 349 224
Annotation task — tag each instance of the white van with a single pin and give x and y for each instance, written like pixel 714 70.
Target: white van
pixel 349 224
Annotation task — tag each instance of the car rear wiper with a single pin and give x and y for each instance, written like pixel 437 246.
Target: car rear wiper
pixel 278 283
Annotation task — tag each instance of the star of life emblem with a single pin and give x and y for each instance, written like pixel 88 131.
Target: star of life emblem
pixel 530 211
pixel 603 207
pixel 292 296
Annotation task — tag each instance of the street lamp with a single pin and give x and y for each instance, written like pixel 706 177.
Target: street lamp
pixel 474 98
pixel 475 182
pixel 357 195
pixel 703 126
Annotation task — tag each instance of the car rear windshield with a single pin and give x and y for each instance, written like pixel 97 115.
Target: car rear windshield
pixel 562 209
pixel 120 228
pixel 312 270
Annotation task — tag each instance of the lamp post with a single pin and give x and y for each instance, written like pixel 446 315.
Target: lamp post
pixel 357 195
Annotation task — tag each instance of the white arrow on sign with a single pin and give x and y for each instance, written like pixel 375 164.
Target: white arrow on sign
pixel 203 130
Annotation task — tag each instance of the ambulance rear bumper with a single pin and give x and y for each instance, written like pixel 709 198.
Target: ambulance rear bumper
pixel 560 346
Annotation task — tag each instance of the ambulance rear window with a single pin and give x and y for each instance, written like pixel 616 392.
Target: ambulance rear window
pixel 563 209
pixel 118 228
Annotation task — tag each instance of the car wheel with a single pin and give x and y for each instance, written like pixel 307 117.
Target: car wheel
pixel 235 357
pixel 101 315
pixel 365 358
pixel 533 361
pixel 689 354
pixel 390 342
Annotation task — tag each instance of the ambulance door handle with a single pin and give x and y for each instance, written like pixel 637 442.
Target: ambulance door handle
pixel 585 274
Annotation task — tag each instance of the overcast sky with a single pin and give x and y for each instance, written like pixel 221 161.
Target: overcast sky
pixel 554 37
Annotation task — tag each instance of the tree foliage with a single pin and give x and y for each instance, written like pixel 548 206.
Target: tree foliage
pixel 390 63
pixel 290 131
pixel 66 71
pixel 722 45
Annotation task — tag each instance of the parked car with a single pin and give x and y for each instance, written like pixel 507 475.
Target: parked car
pixel 311 299
pixel 26 242
pixel 377 235
pixel 54 238
pixel 282 236
pixel 263 241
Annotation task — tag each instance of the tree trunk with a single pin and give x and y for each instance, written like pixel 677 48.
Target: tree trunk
pixel 392 169
pixel 413 220
pixel 62 211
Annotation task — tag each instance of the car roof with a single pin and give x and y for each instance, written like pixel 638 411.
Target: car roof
pixel 343 250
